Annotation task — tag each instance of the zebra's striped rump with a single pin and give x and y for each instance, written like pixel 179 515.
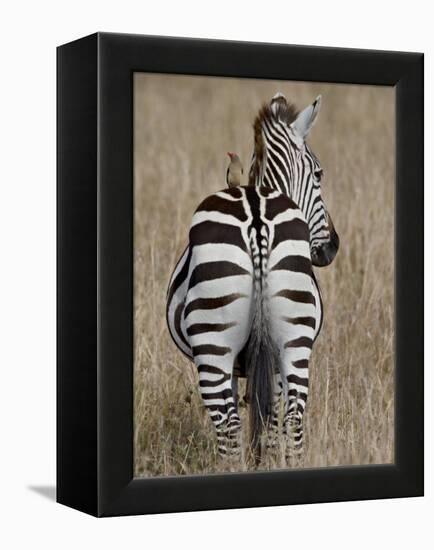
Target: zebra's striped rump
pixel 244 292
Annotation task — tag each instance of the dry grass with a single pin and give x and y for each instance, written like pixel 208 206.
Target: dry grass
pixel 183 128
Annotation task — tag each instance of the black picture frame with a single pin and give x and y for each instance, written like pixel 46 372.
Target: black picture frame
pixel 95 274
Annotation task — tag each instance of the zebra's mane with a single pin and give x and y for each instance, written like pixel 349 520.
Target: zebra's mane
pixel 284 111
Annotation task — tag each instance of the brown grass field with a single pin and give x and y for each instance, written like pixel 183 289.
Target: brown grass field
pixel 183 128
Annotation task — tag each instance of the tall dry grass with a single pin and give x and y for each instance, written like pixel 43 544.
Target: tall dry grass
pixel 183 128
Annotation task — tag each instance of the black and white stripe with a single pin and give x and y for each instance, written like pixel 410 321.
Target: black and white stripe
pixel 243 299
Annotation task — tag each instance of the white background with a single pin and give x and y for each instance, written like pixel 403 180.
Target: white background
pixel 30 31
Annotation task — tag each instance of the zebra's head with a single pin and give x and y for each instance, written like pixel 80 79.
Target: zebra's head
pixel 283 160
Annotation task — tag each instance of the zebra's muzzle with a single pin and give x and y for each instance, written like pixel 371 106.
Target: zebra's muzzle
pixel 325 254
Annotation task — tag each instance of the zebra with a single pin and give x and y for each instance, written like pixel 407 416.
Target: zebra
pixel 243 300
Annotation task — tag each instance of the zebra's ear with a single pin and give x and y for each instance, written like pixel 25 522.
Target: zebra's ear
pixel 306 119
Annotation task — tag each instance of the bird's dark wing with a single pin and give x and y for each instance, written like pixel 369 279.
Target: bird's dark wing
pixel 227 175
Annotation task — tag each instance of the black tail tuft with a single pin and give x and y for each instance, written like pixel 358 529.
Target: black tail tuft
pixel 261 363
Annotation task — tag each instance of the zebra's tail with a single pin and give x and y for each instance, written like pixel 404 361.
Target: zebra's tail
pixel 261 354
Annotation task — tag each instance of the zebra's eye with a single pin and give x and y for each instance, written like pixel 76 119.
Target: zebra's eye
pixel 318 174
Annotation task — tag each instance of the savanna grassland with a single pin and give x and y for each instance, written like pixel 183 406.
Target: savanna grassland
pixel 183 128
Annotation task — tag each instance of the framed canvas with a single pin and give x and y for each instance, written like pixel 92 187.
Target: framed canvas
pixel 166 354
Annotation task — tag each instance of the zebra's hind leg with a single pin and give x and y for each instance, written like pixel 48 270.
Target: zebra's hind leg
pixel 295 367
pixel 215 383
pixel 273 431
pixel 293 420
pixel 294 434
